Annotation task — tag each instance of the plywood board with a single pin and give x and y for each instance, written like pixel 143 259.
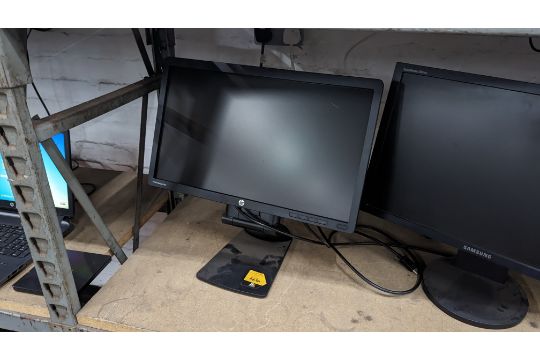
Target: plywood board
pixel 157 289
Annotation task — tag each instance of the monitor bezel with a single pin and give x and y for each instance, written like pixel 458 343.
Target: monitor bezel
pixel 371 177
pixel 7 205
pixel 371 84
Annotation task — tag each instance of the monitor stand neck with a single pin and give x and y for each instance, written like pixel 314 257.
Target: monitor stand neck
pixel 235 218
pixel 476 291
pixel 249 263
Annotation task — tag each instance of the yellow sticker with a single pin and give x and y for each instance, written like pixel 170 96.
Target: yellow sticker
pixel 255 278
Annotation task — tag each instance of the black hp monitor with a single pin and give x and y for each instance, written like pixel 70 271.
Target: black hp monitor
pixel 457 158
pixel 270 144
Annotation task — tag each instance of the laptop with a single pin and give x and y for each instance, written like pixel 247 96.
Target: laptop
pixel 14 251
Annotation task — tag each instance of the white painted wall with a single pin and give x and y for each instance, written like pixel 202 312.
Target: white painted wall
pixel 75 65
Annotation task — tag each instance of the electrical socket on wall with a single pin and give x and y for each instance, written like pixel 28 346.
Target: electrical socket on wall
pixel 279 37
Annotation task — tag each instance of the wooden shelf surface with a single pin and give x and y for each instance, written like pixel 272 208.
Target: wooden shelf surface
pixel 156 289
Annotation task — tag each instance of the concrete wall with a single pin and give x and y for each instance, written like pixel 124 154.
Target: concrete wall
pixel 72 66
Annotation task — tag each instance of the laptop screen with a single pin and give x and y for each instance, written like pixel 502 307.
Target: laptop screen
pixel 57 183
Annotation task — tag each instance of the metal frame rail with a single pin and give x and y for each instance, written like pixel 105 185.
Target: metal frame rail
pixel 19 144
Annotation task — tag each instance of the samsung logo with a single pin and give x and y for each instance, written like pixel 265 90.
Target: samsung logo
pixel 477 252
pixel 159 183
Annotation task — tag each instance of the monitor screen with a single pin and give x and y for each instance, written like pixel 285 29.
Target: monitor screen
pixel 291 144
pixel 57 183
pixel 460 159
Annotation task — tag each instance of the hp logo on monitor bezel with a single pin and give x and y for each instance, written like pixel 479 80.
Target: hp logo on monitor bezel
pixel 241 202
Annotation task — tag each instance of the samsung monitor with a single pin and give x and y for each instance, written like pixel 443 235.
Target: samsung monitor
pixel 62 197
pixel 276 143
pixel 457 159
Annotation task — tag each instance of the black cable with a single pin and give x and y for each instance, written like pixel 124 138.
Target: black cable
pixel 403 246
pixel 392 239
pixel 262 223
pixel 373 284
pixel 382 243
pixel 408 259
pixel 326 238
pixel 41 99
pixel 531 44
pixel 407 249
pixel 379 231
pixel 399 244
pixel 394 245
pixel 313 233
pixel 373 241
pixel 411 263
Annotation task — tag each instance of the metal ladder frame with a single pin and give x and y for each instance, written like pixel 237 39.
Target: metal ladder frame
pixel 19 144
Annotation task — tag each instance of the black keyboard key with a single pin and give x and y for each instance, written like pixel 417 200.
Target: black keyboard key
pixel 13 241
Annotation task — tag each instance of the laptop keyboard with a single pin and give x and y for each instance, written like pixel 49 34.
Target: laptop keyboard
pixel 13 241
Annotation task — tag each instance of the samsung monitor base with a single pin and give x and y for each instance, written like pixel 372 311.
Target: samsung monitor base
pixel 475 291
pixel 249 263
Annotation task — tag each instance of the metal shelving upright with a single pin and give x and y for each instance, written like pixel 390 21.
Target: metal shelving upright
pixel 20 137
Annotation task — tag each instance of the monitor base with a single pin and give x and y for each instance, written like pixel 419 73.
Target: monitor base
pixel 473 298
pixel 248 264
